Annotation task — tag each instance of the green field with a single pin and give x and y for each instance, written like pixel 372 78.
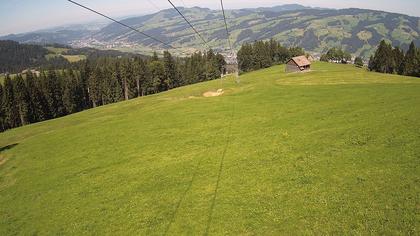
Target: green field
pixel 74 58
pixel 56 52
pixel 333 151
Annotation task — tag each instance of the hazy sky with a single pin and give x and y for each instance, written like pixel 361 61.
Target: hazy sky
pixel 18 16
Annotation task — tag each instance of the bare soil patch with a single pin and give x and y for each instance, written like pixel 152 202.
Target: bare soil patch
pixel 2 160
pixel 208 94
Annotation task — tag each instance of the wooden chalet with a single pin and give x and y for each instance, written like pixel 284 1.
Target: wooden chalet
pixel 298 64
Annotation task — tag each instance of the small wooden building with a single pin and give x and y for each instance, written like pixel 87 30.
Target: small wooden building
pixel 298 64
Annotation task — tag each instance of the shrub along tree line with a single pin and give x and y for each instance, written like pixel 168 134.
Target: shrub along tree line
pixel 393 60
pixel 358 61
pixel 336 55
pixel 27 98
pixel 263 54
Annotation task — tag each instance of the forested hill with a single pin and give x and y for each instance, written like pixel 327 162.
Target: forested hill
pixel 15 57
pixel 358 31
pixel 32 97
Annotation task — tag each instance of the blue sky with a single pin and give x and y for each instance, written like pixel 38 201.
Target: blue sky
pixel 27 15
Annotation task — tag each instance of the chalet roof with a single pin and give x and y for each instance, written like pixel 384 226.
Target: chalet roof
pixel 301 61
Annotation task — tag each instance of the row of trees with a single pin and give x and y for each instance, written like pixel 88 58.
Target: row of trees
pixel 28 98
pixel 336 55
pixel 393 60
pixel 263 54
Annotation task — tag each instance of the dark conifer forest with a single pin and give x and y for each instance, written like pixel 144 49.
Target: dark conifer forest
pixel 263 54
pixel 63 88
pixel 28 98
pixel 15 57
pixel 393 60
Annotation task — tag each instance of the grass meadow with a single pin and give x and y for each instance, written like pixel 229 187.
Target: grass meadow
pixel 332 151
pixel 57 52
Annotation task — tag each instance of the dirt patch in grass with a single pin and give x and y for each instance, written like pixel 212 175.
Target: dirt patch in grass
pixel 2 159
pixel 5 148
pixel 208 94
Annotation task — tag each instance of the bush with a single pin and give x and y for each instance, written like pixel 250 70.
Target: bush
pixel 358 61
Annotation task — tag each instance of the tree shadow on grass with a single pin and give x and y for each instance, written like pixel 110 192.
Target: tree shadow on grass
pixel 8 147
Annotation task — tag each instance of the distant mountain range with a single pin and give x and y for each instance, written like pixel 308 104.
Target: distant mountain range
pixel 356 30
pixel 65 34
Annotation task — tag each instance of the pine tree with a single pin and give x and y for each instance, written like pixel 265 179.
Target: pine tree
pixel 155 56
pixel 262 55
pixel 220 63
pixel 147 83
pixel 157 76
pixel 283 54
pixel 117 92
pixel 54 94
pixel 171 75
pixel 11 112
pixel 398 59
pixel 212 66
pixel 245 58
pixel 79 93
pixel 71 94
pixel 358 61
pixel 85 73
pixel 346 57
pixel 194 69
pixel 274 48
pixel 140 76
pixel 410 65
pixel 38 102
pixel 127 78
pixel 94 87
pixel 383 59
pixel 105 86
pixel 2 117
pixel 200 68
pixel 371 65
pixel 296 51
pixel 21 97
pixel 418 63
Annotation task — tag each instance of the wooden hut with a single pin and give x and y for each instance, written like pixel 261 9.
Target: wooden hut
pixel 298 64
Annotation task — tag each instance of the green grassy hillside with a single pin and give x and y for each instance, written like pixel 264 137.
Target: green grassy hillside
pixel 332 151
